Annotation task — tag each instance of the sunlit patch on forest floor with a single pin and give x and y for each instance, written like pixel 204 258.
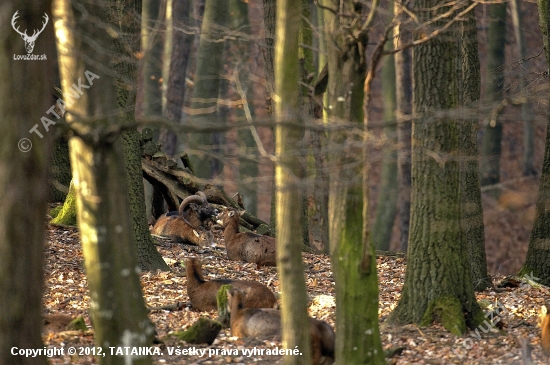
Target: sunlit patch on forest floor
pixel 66 293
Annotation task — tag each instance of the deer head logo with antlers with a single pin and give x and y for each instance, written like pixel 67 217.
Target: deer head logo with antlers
pixel 29 41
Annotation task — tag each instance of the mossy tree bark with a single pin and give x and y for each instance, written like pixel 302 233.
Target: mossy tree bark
pixel 126 47
pixel 352 251
pixel 472 210
pixel 204 149
pixel 288 172
pixel 492 136
pixel 438 281
pixel 117 309
pixel 537 262
pixel 24 192
pixel 67 215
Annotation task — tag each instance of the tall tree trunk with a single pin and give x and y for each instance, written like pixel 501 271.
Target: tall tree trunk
pixel 204 148
pixel 537 262
pixel 386 209
pixel 97 161
pixel 270 9
pixel 152 29
pixel 248 156
pixel 24 88
pixel 437 281
pixel 403 95
pixel 492 136
pixel 526 108
pixel 148 256
pixel 318 209
pixel 181 40
pixel 288 172
pixel 472 210
pixel 352 252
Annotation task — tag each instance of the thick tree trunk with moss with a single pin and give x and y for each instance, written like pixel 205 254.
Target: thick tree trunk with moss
pixel 67 214
pixel 118 309
pixel 204 148
pixel 352 252
pixel 24 190
pixel 148 256
pixel 472 210
pixel 294 319
pixel 438 281
pixel 492 136
pixel 386 209
pixel 537 262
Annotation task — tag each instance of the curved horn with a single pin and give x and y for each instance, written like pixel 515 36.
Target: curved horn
pixel 190 199
pixel 201 194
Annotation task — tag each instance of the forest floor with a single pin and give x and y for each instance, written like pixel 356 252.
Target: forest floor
pixel 66 293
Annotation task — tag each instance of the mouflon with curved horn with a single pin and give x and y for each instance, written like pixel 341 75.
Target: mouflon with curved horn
pixel 179 229
pixel 199 214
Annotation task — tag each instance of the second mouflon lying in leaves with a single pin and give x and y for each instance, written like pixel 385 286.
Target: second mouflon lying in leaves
pixel 261 322
pixel 179 229
pixel 246 246
pixel 203 293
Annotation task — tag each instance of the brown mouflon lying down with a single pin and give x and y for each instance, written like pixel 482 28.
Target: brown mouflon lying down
pixel 199 214
pixel 180 230
pixel 254 322
pixel 544 324
pixel 203 293
pixel 246 246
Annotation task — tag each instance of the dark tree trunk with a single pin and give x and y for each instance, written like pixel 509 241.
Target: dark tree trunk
pixel 492 136
pixel 438 281
pixel 403 94
pixel 537 263
pixel 179 59
pixel 23 179
pixel 472 210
